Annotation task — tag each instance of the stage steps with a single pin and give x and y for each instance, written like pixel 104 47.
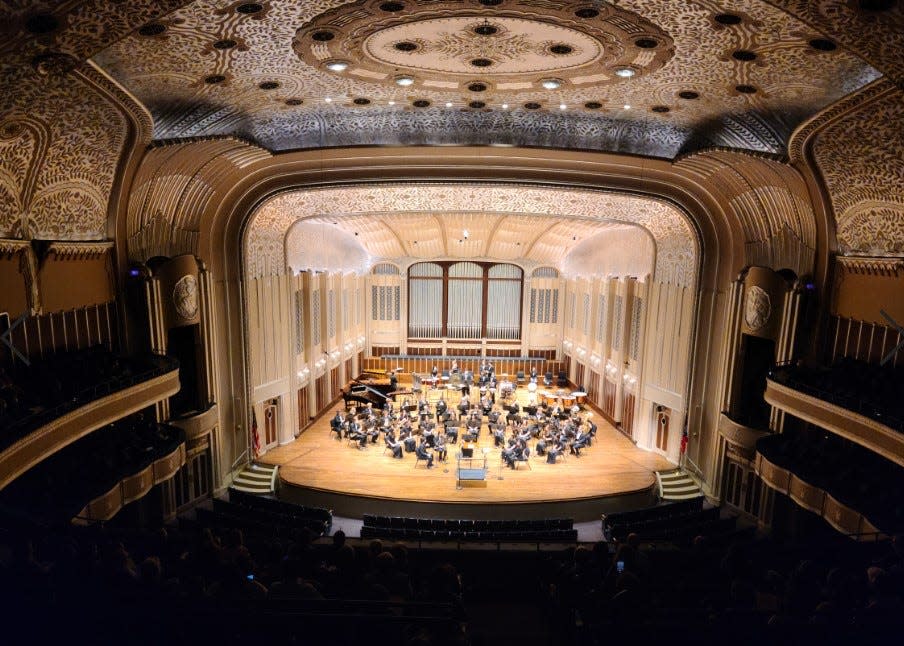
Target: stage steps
pixel 256 478
pixel 677 485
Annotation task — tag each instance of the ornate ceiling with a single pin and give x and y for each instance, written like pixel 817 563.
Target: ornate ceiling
pixel 703 73
pixel 608 233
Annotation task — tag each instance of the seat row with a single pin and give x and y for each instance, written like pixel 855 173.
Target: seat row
pixel 549 535
pixel 460 525
pixel 254 501
pixel 660 512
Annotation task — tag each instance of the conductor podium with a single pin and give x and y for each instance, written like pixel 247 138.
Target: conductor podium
pixel 470 468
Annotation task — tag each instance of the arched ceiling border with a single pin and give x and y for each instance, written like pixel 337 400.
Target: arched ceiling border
pixel 634 175
pixel 523 261
pixel 264 240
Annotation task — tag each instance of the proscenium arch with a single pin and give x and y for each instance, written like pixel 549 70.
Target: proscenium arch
pixel 722 253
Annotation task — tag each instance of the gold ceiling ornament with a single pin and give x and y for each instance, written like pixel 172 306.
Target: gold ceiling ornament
pixel 463 46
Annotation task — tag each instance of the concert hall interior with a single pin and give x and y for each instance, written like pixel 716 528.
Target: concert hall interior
pixel 443 321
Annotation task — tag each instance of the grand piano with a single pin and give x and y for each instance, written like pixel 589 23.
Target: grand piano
pixel 369 391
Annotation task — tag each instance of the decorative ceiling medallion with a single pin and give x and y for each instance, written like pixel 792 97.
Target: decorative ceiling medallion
pixel 439 44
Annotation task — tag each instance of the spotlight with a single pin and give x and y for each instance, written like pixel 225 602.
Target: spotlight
pixel 624 72
pixel 551 84
pixel 337 66
pixel 404 81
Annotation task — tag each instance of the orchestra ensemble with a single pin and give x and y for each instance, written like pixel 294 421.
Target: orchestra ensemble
pixel 551 426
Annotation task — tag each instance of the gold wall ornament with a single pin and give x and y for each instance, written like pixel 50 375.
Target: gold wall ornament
pixel 185 297
pixel 757 308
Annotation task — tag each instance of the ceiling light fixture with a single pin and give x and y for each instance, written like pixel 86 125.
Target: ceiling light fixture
pixel 562 106
pixel 626 106
pixel 328 100
pixel 337 66
pixel 465 233
pixel 448 104
pixel 505 106
pixel 551 84
pixel 392 103
pixel 404 81
pixel 624 72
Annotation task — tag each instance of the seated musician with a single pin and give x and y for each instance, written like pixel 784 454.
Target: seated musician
pixel 591 429
pixel 452 433
pixel 434 373
pixel 463 406
pixel 515 453
pixel 454 370
pixel 580 441
pixel 498 434
pixel 424 453
pixel 439 445
pixel 441 408
pixel 372 430
pixel 428 432
pixel 533 374
pixel 355 432
pixel 493 416
pixel 468 377
pixel 336 424
pixel 554 451
pixel 486 404
pixel 575 410
pixel 505 388
pixel 474 422
pixel 408 440
pixel 393 444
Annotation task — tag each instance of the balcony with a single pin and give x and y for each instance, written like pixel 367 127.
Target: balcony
pixel 853 489
pixel 855 400
pixel 51 422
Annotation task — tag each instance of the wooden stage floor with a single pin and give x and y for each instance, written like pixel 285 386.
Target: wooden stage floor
pixel 317 461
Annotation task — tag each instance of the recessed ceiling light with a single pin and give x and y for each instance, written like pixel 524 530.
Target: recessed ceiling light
pixel 392 103
pixel 448 104
pixel 505 106
pixel 624 72
pixel 626 106
pixel 562 106
pixel 404 81
pixel 328 100
pixel 551 84
pixel 337 66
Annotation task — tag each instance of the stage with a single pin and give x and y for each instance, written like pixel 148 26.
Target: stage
pixel 612 475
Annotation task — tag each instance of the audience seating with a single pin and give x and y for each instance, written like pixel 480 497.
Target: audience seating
pixel 674 521
pixel 850 473
pixel 869 389
pixel 59 487
pixel 263 503
pixel 32 396
pixel 556 529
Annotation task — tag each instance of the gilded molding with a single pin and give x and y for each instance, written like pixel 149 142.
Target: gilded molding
pixel 888 267
pixel 806 131
pixel 79 250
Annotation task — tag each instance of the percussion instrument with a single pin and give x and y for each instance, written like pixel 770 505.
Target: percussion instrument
pixel 580 396
pixel 532 387
pixel 547 398
pixel 568 401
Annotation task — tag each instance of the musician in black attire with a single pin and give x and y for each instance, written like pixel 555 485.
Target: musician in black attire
pixel 424 454
pixel 393 382
pixel 441 407
pixel 393 444
pixel 336 424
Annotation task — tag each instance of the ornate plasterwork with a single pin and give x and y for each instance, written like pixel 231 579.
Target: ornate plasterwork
pixel 792 80
pixel 860 158
pixel 57 164
pixel 450 44
pixel 876 36
pixel 551 210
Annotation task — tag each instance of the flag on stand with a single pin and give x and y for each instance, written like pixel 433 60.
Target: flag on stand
pixel 684 442
pixel 255 436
